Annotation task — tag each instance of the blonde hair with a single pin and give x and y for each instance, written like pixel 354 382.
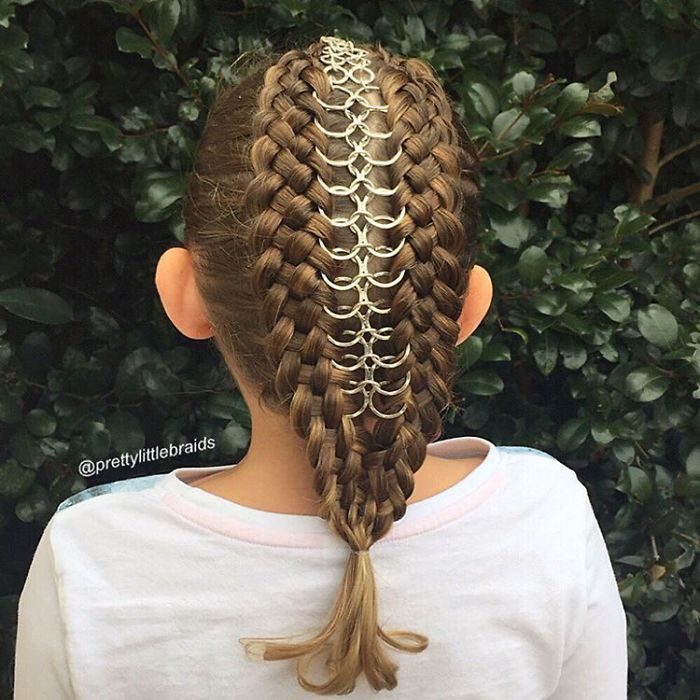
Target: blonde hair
pixel 258 225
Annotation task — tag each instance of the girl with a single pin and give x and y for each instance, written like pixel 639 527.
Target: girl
pixel 330 243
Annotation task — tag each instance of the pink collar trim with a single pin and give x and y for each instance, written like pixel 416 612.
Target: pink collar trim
pixel 310 531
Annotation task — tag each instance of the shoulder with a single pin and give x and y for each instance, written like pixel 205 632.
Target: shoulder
pixel 140 483
pixel 116 518
pixel 530 461
pixel 539 474
pixel 106 511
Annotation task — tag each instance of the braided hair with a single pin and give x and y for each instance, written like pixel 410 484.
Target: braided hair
pixel 297 232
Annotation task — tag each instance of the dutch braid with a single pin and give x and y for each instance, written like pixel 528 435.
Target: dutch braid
pixel 280 227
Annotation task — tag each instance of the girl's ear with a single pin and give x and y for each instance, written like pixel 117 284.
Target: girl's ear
pixel 476 302
pixel 179 294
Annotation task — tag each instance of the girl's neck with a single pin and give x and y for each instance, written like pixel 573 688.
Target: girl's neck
pixel 280 489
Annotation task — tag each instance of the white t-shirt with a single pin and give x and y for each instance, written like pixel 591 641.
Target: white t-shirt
pixel 140 590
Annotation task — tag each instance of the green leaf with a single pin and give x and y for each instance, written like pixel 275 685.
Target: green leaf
pixel 580 127
pixel 575 282
pixel 635 560
pixel 522 334
pixel 34 506
pixel 573 353
pixel 163 16
pixel 10 408
pixel 692 463
pixel 97 440
pixel 54 448
pixel 415 31
pixel 523 83
pixel 129 41
pixel 624 451
pixel 455 42
pixel 610 43
pixel 40 423
pixel 188 111
pixel 36 304
pixel 481 382
pixel 12 39
pixel 110 134
pixel 601 433
pixel 222 405
pixel 541 120
pixel 662 606
pixel 632 591
pixel 121 6
pixel 102 324
pixel 443 60
pixel 25 449
pixel 532 264
pixel 470 351
pixel 539 41
pixel 15 480
pixel 39 96
pixel 23 137
pixel 158 192
pixel 607 277
pixel 571 99
pixel 508 194
pixel 630 220
pixel 646 384
pixel 658 325
pixel 159 379
pixel 545 351
pixel 663 480
pixel 574 154
pixel 552 193
pixel 125 431
pixel 550 302
pixel 512 230
pixel 572 434
pixel 635 482
pixel 510 125
pixel 670 65
pixel 495 352
pixel 232 439
pixel 435 18
pixel 691 274
pixel 614 305
pixel 604 93
pixel 484 101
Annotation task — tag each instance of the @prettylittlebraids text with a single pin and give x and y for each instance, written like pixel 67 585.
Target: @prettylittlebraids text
pixel 90 467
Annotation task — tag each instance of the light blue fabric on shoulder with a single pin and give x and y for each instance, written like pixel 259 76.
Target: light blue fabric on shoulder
pixel 137 484
pixel 522 448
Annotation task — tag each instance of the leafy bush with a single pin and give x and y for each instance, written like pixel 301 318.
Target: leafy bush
pixel 586 115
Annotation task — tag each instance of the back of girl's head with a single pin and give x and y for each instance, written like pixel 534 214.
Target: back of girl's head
pixel 331 218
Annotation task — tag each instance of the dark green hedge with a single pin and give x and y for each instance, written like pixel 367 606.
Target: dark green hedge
pixel 586 115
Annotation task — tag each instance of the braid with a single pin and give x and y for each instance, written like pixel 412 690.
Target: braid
pixel 296 252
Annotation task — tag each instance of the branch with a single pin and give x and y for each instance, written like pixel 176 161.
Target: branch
pixel 674 196
pixel 503 132
pixel 677 220
pixel 652 131
pixel 547 83
pixel 165 55
pixel 674 154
